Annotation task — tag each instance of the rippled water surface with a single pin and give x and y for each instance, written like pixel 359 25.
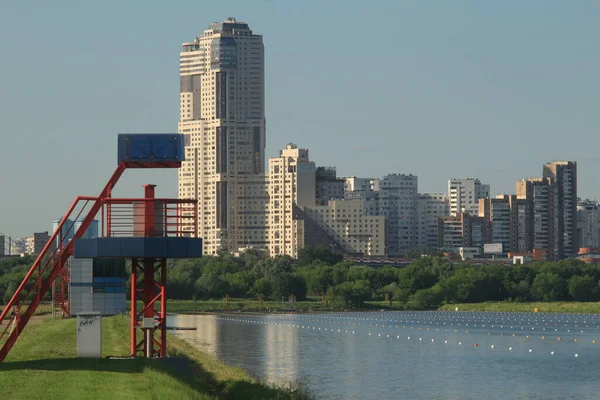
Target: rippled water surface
pixel 411 355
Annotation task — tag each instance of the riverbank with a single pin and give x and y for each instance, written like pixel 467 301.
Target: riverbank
pixel 247 305
pixel 43 364
pixel 312 305
pixel 563 307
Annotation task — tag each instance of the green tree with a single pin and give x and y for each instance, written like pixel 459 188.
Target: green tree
pixel 583 288
pixel 308 254
pixel 211 286
pixel 414 254
pixel 263 286
pixel 548 286
pixel 285 284
pixel 9 292
pixel 426 298
pixel 350 294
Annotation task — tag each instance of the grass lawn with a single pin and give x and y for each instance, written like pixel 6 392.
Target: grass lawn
pixel 566 307
pixel 43 365
pixel 42 309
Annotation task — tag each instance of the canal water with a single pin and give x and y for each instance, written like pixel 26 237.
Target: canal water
pixel 411 355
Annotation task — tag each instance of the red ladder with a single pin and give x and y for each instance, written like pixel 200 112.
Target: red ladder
pixel 47 267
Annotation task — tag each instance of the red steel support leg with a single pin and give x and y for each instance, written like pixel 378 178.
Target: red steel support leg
pixel 163 308
pixel 149 270
pixel 148 305
pixel 133 306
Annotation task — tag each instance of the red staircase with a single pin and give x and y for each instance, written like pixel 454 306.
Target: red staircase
pixel 49 265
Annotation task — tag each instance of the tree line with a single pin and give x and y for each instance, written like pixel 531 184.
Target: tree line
pixel 427 282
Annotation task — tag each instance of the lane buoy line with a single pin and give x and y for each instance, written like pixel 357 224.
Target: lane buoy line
pixel 320 320
pixel 417 317
pixel 445 341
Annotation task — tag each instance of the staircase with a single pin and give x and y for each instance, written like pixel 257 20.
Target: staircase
pixel 49 265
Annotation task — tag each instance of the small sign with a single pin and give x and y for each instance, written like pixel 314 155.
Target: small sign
pixel 492 248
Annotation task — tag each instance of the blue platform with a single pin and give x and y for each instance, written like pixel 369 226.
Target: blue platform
pixel 131 247
pixel 151 147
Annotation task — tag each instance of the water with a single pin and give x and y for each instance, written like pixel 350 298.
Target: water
pixel 411 355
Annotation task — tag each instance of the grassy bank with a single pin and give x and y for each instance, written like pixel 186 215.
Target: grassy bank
pixel 42 309
pixel 43 364
pixel 566 307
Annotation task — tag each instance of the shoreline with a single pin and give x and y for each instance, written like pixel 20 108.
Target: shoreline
pixel 187 307
pixel 46 352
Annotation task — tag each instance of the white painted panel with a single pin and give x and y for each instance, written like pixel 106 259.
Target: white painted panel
pixel 89 335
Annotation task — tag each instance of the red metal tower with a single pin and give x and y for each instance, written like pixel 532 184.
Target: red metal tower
pixel 135 151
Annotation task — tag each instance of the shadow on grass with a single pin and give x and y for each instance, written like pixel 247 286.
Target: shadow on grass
pixel 187 371
pixel 177 367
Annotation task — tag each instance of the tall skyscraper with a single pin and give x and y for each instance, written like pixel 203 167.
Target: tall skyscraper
pixel 222 115
pixel 563 210
pixel 536 194
pixel 464 195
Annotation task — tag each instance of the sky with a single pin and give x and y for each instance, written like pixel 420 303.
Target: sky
pixel 438 89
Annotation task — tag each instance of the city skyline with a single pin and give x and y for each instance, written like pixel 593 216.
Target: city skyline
pixel 317 126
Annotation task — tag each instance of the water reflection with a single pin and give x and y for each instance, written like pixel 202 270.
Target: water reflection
pixel 281 346
pixel 382 362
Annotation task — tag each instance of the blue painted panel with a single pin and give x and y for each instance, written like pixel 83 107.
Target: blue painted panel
pixel 132 247
pixel 107 246
pixel 155 247
pixel 163 247
pixel 85 248
pixel 156 147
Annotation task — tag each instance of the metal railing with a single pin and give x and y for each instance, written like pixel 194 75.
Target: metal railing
pixel 128 218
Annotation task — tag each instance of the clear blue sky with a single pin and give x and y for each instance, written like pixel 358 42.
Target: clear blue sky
pixel 439 89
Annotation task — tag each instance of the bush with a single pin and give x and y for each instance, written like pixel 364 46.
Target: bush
pixel 426 298
pixel 350 294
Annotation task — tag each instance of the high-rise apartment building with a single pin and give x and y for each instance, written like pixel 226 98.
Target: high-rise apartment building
pixel 350 229
pixel 35 243
pixel 292 187
pixel 222 116
pixel 464 195
pixel 536 193
pixel 500 220
pixel 329 186
pixel 563 210
pixel 397 201
pixel 2 245
pixel 430 207
pixel 70 227
pixel 17 246
pixel 588 224
pixel 357 185
pixel 395 197
pixel 462 230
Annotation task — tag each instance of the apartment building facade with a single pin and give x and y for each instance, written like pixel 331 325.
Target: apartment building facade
pixel 562 241
pixel 588 224
pixel 222 117
pixel 464 195
pixel 350 228
pixel 291 186
pixel 430 207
